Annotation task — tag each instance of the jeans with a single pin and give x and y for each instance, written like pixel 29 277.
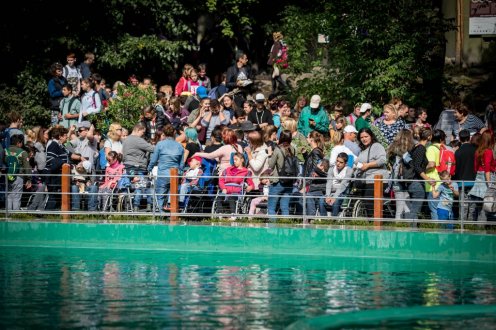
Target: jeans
pixel 443 214
pixel 92 197
pixel 162 187
pixel 134 171
pixel 278 192
pixel 315 199
pixel 416 191
pixel 432 202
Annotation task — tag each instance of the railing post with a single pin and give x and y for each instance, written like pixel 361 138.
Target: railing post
pixel 462 205
pixel 66 191
pixel 174 207
pixel 304 206
pixel 378 200
pixel 6 196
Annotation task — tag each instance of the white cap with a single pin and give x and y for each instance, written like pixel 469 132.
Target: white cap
pixel 315 101
pixel 259 97
pixel 365 107
pixel 87 166
pixel 350 129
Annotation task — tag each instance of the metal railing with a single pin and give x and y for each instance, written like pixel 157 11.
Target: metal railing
pixel 214 205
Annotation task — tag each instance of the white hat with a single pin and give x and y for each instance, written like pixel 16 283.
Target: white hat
pixel 365 106
pixel 259 97
pixel 350 129
pixel 87 166
pixel 315 101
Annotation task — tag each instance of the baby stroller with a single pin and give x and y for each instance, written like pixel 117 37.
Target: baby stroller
pixel 200 198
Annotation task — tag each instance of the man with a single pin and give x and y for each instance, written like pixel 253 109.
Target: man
pixel 433 154
pixel 364 120
pixel 313 118
pixel 85 151
pixel 261 117
pixel 350 135
pixel 214 117
pixel 239 76
pixel 153 121
pixel 85 67
pixel 465 171
pixel 135 152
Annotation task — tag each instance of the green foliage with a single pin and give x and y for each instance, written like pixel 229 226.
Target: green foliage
pixel 376 50
pixel 232 16
pixel 125 109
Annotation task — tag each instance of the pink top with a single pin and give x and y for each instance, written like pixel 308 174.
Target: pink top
pixel 488 162
pixel 113 174
pixel 232 179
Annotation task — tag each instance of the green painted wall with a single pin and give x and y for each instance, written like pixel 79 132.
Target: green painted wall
pixel 274 240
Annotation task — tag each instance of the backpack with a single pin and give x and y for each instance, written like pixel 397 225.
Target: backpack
pixel 406 171
pixel 6 138
pixel 447 160
pixel 290 169
pixel 13 163
pixel 213 95
pixel 282 56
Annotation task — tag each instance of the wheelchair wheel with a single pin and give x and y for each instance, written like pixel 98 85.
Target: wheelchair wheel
pixel 359 210
pixel 124 203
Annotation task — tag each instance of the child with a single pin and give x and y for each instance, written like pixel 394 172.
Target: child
pixel 446 191
pixel 317 189
pixel 338 179
pixel 81 174
pixel 264 188
pixel 113 174
pixel 232 180
pixel 190 177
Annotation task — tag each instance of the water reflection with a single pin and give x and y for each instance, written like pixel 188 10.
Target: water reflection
pixel 92 288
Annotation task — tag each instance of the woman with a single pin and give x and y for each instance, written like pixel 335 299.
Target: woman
pixel 248 106
pixel 223 154
pixel 57 155
pixel 312 158
pixel 167 154
pixel 192 144
pixel 485 165
pixel 402 144
pixel 389 125
pixel 339 147
pixel 298 140
pixel 229 105
pixel 371 162
pixel 270 135
pixel 279 194
pixel 257 155
pixel 113 142
pixel 39 163
pixel 421 121
pixel 301 102
pixel 181 84
pixel 338 179
pixel 283 112
pixel 275 56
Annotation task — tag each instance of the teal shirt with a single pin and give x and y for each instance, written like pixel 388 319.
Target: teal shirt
pixel 361 123
pixel 320 118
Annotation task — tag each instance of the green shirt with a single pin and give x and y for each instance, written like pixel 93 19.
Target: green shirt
pixel 361 123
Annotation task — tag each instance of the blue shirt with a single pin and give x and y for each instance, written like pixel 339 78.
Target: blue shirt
pixel 446 196
pixel 167 154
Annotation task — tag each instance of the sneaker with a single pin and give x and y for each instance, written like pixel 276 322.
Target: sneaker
pixel 148 208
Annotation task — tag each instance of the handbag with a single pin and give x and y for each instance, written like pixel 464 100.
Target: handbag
pixel 360 184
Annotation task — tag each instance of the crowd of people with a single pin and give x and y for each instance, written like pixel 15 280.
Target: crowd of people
pixel 251 141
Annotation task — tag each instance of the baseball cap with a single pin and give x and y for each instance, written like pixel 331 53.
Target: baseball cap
pixel 87 166
pixel 259 97
pixel 365 106
pixel 350 129
pixel 198 158
pixel 84 124
pixel 315 101
pixel 201 92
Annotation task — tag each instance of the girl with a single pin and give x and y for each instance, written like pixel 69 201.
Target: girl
pixel 113 174
pixel 232 180
pixel 90 101
pixel 316 142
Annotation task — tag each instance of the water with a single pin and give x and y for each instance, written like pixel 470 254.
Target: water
pixel 86 288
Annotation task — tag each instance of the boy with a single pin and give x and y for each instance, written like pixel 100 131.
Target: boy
pixel 190 177
pixel 69 107
pixel 72 74
pixel 446 191
pixel 19 171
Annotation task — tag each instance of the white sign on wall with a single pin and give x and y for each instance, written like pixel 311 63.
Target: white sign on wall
pixel 482 17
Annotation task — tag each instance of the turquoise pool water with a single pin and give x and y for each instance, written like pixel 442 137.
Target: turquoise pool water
pixel 96 288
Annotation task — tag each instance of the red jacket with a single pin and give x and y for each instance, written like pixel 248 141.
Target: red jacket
pixel 232 178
